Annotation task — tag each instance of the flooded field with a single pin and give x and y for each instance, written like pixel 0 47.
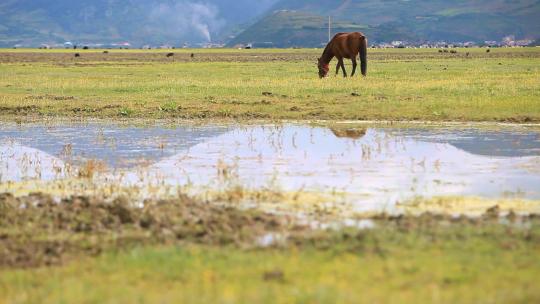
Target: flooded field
pixel 342 168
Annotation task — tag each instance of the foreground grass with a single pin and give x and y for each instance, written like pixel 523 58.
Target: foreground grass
pixel 467 264
pixel 191 252
pixel 411 85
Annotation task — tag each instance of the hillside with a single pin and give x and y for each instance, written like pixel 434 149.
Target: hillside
pixel 298 29
pixel 32 22
pixel 285 28
pixel 386 20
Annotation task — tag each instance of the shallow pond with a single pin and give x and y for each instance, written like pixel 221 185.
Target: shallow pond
pixel 368 167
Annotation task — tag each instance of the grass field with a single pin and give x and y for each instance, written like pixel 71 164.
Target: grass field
pixel 423 84
pixel 182 250
pixel 478 269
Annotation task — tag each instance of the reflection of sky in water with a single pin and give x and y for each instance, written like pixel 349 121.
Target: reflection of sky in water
pixel 378 169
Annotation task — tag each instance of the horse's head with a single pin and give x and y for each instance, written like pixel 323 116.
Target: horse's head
pixel 323 68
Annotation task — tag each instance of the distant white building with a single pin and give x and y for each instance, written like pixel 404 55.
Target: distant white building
pixel 121 45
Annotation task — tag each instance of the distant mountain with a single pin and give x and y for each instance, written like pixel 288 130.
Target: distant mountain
pixel 295 28
pixel 31 22
pixel 292 22
pixel 279 23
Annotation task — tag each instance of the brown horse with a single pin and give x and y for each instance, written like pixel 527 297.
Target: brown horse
pixel 344 45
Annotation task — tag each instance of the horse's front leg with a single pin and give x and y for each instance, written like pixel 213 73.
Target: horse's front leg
pixel 354 64
pixel 338 65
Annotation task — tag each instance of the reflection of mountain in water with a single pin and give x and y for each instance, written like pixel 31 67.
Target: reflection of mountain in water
pixel 379 167
pixel 371 169
pixel 18 163
pixel 118 146
pixel 501 144
pixel 485 143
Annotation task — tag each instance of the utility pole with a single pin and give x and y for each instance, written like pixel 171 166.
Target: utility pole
pixel 329 28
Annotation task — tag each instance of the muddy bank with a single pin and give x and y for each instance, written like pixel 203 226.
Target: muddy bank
pixel 37 231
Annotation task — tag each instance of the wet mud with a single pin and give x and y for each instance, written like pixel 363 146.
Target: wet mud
pixel 37 230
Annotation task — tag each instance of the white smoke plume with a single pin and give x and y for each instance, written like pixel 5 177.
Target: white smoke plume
pixel 186 19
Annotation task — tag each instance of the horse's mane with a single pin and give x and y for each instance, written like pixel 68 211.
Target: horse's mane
pixel 329 45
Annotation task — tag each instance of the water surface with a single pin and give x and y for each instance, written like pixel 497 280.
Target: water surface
pixel 370 167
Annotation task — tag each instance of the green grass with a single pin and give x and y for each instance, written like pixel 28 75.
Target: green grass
pixel 401 85
pixel 483 263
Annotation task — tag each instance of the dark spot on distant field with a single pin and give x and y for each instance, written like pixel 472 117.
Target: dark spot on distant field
pixel 110 106
pixel 355 94
pixel 268 94
pixel 170 54
pixel 77 55
pixel 275 275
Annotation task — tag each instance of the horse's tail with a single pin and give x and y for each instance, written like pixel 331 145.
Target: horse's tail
pixel 363 54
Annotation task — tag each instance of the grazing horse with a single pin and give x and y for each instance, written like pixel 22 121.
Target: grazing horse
pixel 344 45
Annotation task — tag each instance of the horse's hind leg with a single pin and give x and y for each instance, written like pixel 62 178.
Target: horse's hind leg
pixel 340 62
pixel 354 64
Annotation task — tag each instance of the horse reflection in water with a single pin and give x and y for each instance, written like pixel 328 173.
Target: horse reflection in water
pixel 352 133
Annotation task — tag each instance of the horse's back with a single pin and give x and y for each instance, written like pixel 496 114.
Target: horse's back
pixel 347 44
pixel 348 36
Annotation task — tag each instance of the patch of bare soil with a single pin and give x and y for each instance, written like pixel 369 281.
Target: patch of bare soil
pixel 93 58
pixel 36 231
pixel 19 110
pixel 100 59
